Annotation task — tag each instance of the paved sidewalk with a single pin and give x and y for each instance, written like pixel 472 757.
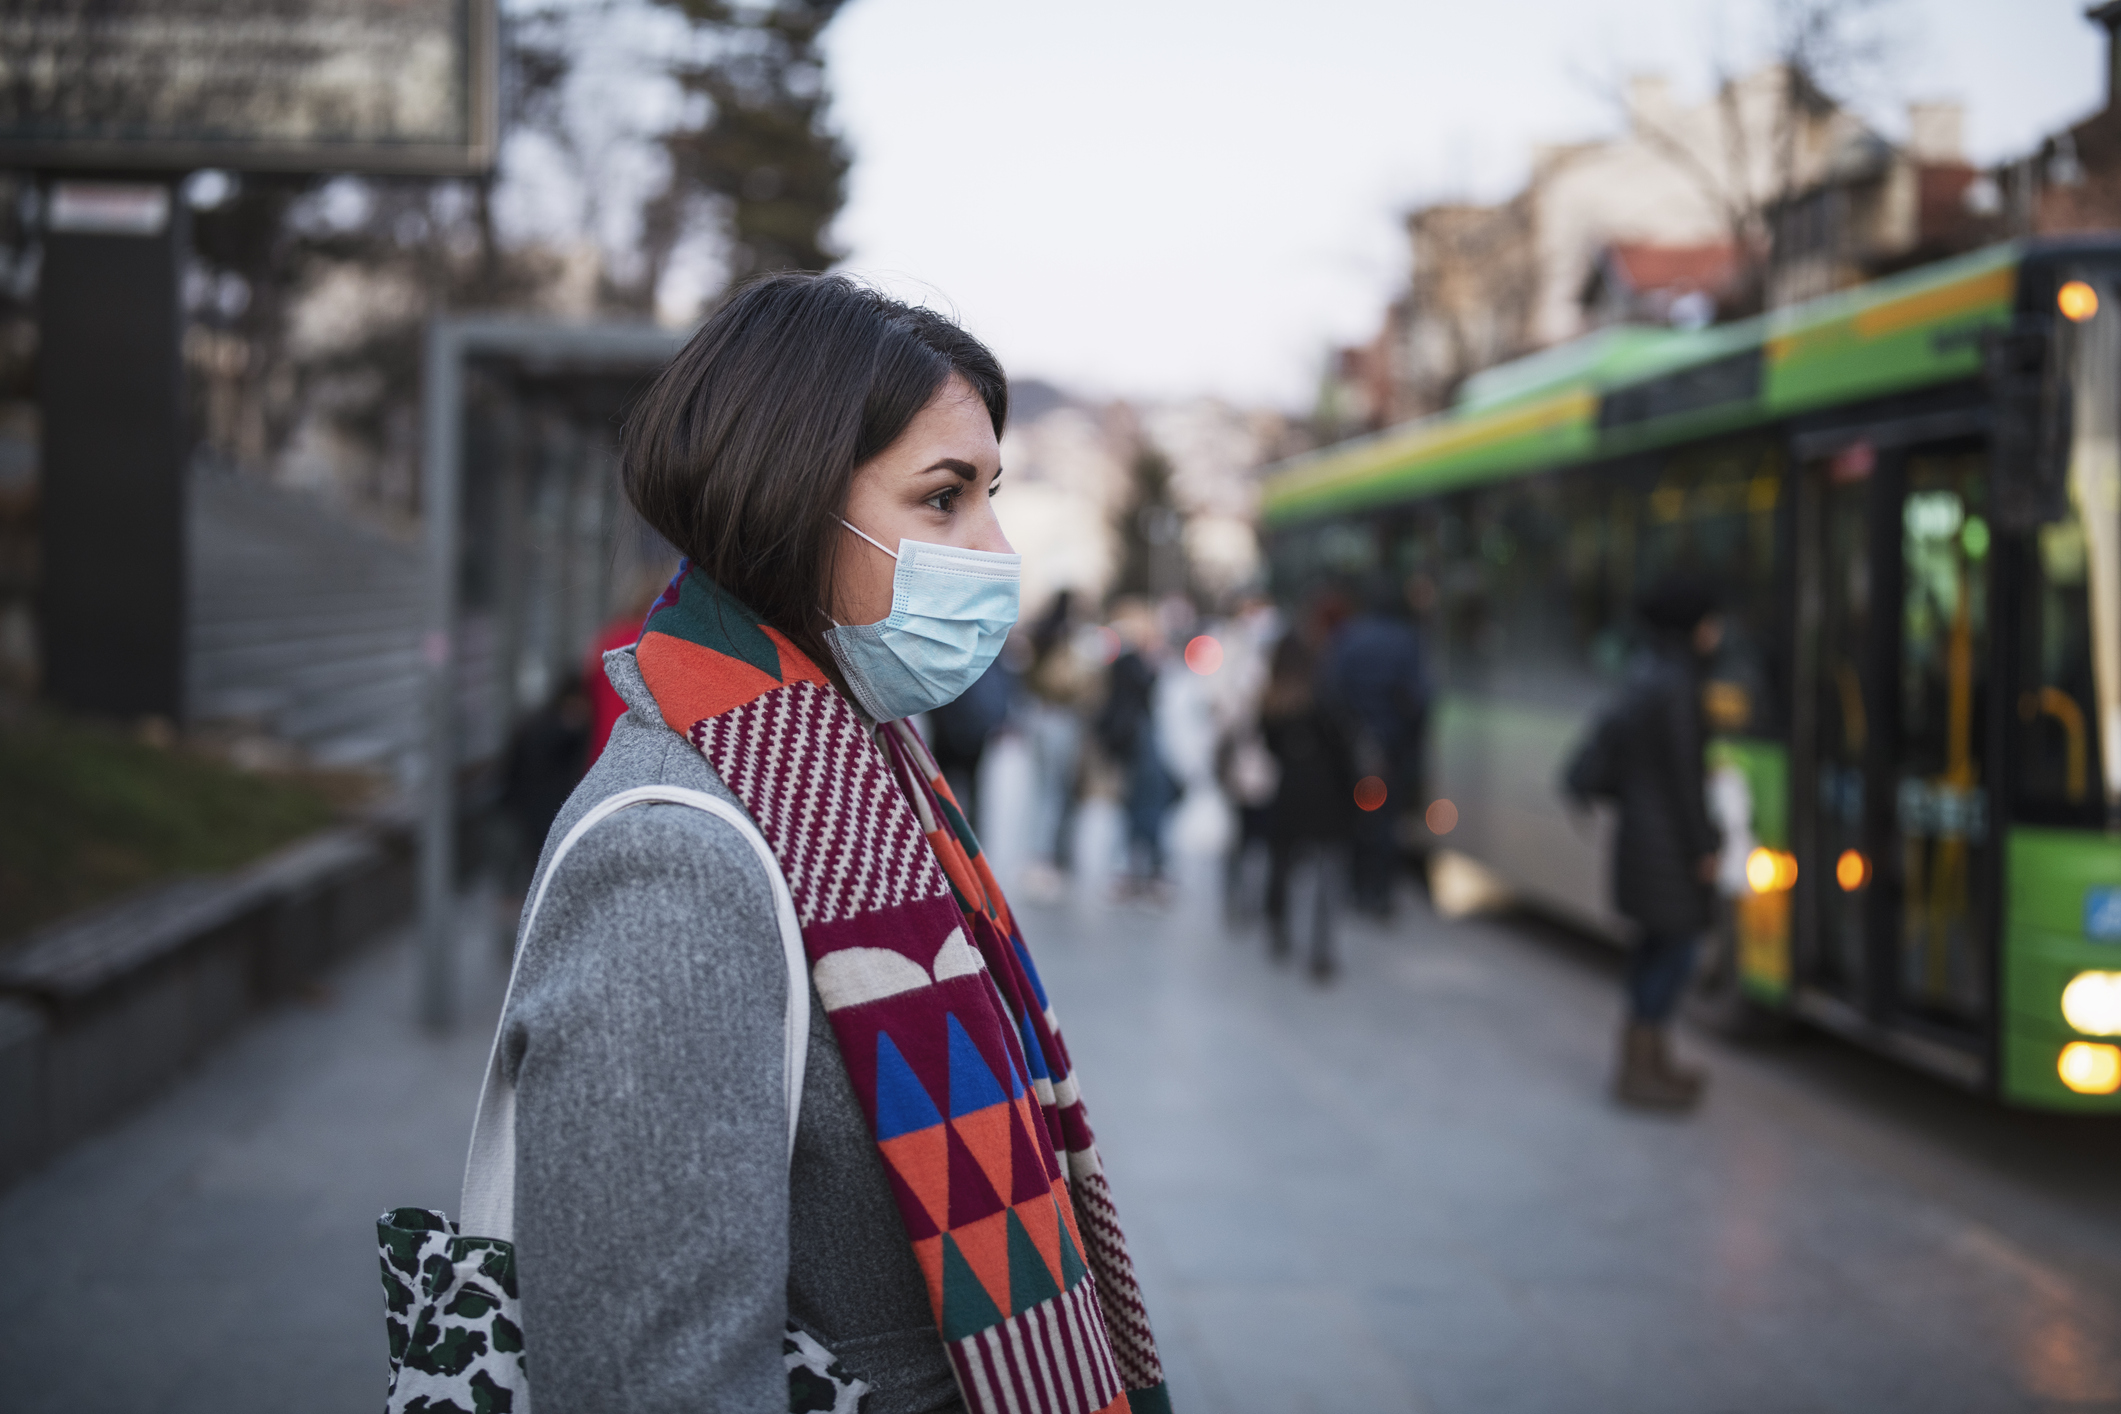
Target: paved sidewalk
pixel 216 1252
pixel 1402 1192
pixel 1408 1191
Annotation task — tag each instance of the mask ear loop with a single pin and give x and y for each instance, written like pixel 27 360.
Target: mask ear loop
pixel 866 536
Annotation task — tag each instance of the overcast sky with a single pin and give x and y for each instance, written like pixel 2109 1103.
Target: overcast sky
pixel 1166 197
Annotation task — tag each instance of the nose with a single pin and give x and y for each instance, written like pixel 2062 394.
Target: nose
pixel 987 532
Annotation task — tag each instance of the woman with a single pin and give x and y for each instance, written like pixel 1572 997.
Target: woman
pixel 1645 754
pixel 824 457
pixel 1664 857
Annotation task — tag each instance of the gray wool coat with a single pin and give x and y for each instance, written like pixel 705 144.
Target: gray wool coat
pixel 662 1236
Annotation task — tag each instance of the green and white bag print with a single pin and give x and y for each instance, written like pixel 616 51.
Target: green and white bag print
pixel 456 1341
pixel 450 1306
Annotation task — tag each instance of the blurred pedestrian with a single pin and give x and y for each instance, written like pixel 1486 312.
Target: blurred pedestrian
pixel 1376 677
pixel 543 764
pixel 824 457
pixel 960 729
pixel 1645 754
pixel 1311 819
pixel 1244 769
pixel 1061 684
pixel 1126 730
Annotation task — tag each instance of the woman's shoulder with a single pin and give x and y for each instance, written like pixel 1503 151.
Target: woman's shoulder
pixel 659 854
pixel 656 912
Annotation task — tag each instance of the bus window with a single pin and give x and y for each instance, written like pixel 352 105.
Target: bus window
pixel 1838 555
pixel 1713 510
pixel 1519 571
pixel 2056 770
pixel 1940 805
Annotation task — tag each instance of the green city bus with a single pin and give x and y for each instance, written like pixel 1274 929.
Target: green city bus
pixel 1910 495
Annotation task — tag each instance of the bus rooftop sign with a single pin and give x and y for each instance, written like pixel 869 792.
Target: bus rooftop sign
pixel 289 85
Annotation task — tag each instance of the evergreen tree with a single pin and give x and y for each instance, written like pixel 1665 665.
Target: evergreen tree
pixel 764 151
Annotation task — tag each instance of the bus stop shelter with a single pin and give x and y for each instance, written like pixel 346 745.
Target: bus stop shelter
pixel 530 547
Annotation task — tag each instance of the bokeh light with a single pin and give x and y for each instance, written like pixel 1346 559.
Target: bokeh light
pixel 1852 871
pixel 1770 870
pixel 1369 791
pixel 2091 1003
pixel 2089 1068
pixel 1441 817
pixel 1204 655
pixel 2077 301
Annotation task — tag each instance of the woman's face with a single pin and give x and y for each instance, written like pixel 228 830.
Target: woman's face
pixel 935 484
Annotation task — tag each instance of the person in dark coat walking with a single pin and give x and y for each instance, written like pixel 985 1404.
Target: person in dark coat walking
pixel 1376 680
pixel 1126 730
pixel 1312 817
pixel 545 762
pixel 960 731
pixel 1646 756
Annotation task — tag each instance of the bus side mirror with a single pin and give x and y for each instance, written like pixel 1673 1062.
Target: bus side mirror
pixel 2029 388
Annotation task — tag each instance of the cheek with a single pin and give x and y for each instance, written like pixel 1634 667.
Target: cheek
pixel 865 588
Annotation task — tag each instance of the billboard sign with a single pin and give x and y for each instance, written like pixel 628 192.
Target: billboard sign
pixel 288 85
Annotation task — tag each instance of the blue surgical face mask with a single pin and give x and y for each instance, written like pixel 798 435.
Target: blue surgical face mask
pixel 951 610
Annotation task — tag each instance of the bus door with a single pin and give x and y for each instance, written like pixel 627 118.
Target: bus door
pixel 1895 865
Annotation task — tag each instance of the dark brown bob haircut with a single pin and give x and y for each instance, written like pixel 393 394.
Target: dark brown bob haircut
pixel 742 452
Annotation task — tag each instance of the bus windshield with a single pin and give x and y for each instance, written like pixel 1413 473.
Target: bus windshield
pixel 2095 491
pixel 2068 637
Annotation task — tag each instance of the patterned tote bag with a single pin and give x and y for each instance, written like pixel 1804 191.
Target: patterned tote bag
pixel 456 1341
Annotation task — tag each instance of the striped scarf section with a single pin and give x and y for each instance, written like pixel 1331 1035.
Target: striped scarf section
pixel 946 1030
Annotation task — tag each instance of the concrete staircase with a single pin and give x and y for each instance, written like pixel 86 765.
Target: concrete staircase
pixel 305 623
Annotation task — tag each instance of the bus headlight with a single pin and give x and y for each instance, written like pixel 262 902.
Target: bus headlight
pixel 2090 1069
pixel 2091 1003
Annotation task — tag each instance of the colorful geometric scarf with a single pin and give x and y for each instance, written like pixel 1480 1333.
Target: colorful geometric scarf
pixel 940 1015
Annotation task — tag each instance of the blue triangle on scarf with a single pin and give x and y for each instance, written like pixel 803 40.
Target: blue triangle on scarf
pixel 972 1086
pixel 902 1103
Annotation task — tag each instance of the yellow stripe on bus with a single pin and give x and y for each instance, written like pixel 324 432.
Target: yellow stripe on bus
pixel 1990 287
pixel 1433 441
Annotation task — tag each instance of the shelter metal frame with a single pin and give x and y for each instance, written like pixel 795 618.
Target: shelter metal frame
pixel 545 346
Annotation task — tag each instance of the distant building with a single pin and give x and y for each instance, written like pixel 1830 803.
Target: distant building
pixel 1680 177
pixel 1634 282
pixel 1469 304
pixel 1651 224
pixel 2072 181
pixel 1879 207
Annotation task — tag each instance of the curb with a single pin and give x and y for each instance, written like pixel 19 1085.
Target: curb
pixel 98 1012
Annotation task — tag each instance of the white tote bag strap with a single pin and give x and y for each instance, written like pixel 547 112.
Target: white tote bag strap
pixel 489 1206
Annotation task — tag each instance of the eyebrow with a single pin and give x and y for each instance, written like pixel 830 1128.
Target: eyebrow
pixel 965 471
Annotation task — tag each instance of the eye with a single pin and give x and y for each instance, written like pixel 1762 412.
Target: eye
pixel 945 500
pixel 994 488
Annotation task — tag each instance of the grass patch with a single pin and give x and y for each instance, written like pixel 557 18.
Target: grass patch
pixel 88 813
